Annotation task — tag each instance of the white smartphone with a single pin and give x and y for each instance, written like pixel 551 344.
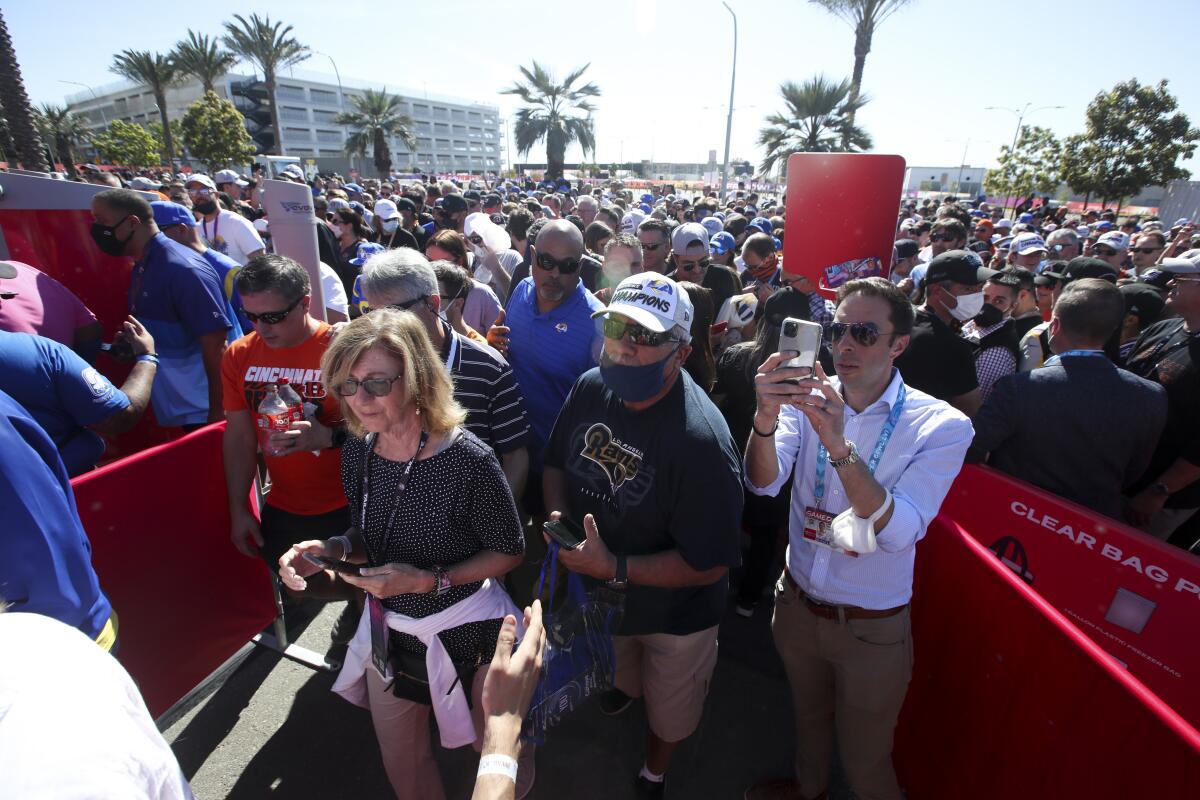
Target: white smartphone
pixel 802 337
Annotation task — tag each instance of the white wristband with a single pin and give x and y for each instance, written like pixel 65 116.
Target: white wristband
pixel 494 764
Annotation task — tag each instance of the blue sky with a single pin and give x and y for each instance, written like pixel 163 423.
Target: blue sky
pixel 663 65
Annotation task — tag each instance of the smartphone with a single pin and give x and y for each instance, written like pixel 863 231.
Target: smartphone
pixel 565 532
pixel 332 563
pixel 803 338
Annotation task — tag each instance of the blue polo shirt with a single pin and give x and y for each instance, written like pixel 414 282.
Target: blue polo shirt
pixel 45 556
pixel 62 392
pixel 177 295
pixel 548 352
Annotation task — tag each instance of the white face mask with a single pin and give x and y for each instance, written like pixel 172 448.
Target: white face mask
pixel 389 226
pixel 480 253
pixel 969 305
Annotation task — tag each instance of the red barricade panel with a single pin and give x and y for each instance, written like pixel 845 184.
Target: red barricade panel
pixel 186 599
pixel 1009 699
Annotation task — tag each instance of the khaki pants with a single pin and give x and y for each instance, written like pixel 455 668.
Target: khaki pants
pixel 852 676
pixel 672 673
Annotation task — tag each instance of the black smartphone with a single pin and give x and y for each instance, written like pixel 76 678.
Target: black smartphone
pixel 334 564
pixel 565 532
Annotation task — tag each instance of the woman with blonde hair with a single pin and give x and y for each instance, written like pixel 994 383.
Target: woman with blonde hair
pixel 433 528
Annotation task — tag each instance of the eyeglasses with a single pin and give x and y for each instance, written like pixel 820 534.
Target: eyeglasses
pixel 271 317
pixel 566 266
pixel 376 387
pixel 201 191
pixel 940 237
pixel 615 328
pixel 1144 249
pixel 701 265
pixel 1103 251
pixel 405 306
pixel 475 239
pixel 652 247
pixel 864 333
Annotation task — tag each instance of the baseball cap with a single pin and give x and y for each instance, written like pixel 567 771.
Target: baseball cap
pixel 651 300
pixel 762 224
pixel 1087 267
pixel 365 251
pixel 294 169
pixel 1082 231
pixel 1156 278
pixel 1051 274
pixel 1025 218
pixel 230 176
pixel 491 201
pixel 263 226
pixel 386 209
pixel 787 303
pixel 353 187
pixel 1003 223
pixel 167 213
pixel 494 237
pixel 337 203
pixel 958 266
pixel 1142 299
pixel 1115 239
pixel 985 223
pixel 1179 223
pixel 1185 264
pixel 1002 242
pixel 906 248
pixel 630 222
pixel 713 226
pixel 144 184
pixel 980 247
pixel 454 203
pixel 738 311
pixel 721 243
pixel 1104 225
pixel 689 234
pixel 201 179
pixel 472 196
pixel 1028 243
pixel 646 197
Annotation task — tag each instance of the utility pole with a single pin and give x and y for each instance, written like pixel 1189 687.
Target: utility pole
pixel 729 117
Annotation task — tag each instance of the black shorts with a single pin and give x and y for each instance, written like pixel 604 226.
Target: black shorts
pixel 281 530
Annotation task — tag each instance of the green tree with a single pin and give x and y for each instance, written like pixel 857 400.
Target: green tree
pixel 864 16
pixel 159 73
pixel 375 117
pixel 63 129
pixel 819 119
pixel 21 122
pixel 270 47
pixel 552 115
pixel 156 130
pixel 215 133
pixel 1033 166
pixel 128 144
pixel 1135 137
pixel 203 58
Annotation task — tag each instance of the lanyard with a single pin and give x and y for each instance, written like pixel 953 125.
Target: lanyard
pixel 1056 359
pixel 400 487
pixel 216 225
pixel 884 436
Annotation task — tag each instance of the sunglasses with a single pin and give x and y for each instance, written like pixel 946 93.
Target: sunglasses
pixel 271 317
pixel 202 192
pixel 701 265
pixel 615 328
pixel 864 333
pixel 938 237
pixel 475 239
pixel 1103 251
pixel 652 247
pixel 1144 249
pixel 376 387
pixel 566 266
pixel 405 306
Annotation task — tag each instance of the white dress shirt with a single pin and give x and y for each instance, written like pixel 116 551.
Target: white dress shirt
pixel 922 459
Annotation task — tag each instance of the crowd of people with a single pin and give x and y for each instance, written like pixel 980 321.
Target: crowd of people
pixel 493 356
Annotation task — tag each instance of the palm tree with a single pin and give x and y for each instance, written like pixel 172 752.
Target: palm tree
pixel 549 116
pixel 159 73
pixel 202 58
pixel 22 124
pixel 375 117
pixel 63 128
pixel 270 47
pixel 864 16
pixel 819 119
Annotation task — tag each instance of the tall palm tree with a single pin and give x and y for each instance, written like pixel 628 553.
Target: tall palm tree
pixel 864 16
pixel 159 73
pixel 375 117
pixel 549 115
pixel 270 47
pixel 18 113
pixel 63 128
pixel 203 58
pixel 819 119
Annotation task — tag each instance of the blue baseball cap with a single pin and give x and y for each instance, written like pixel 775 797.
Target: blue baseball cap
pixel 1025 218
pixel 721 243
pixel 365 251
pixel 762 224
pixel 645 207
pixel 359 207
pixel 1103 225
pixel 353 187
pixel 646 197
pixel 712 225
pixel 167 213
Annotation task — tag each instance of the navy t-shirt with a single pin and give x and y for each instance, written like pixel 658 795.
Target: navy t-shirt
pixel 665 478
pixel 62 392
pixel 45 556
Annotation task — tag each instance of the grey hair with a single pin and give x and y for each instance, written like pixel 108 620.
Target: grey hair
pixel 1062 233
pixel 399 275
pixel 681 334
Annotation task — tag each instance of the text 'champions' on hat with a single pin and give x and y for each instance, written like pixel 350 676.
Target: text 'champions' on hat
pixel 651 300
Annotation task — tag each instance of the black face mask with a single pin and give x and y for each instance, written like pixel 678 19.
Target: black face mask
pixel 105 237
pixel 206 206
pixel 991 315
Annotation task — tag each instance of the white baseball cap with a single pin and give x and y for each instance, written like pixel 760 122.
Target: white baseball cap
pixel 230 176
pixel 1115 239
pixel 144 184
pixel 495 238
pixel 386 209
pixel 201 179
pixel 631 221
pixel 1028 243
pixel 1003 223
pixel 651 300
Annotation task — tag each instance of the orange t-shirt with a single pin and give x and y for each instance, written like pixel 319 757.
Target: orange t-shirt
pixel 301 483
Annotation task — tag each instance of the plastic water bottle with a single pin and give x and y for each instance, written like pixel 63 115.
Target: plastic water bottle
pixel 291 399
pixel 273 415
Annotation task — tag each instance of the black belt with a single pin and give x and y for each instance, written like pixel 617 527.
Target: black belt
pixel 838 612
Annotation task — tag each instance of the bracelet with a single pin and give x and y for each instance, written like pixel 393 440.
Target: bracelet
pixel 495 764
pixel 769 433
pixel 151 357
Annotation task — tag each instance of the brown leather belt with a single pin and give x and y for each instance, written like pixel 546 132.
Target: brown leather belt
pixel 836 612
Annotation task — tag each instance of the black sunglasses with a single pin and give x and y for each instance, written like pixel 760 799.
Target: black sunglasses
pixel 1144 249
pixel 939 237
pixel 1103 251
pixel 701 265
pixel 405 306
pixel 864 333
pixel 566 266
pixel 376 387
pixel 652 246
pixel 271 317
pixel 615 328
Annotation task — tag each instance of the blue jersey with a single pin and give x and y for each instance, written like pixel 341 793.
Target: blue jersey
pixel 227 270
pixel 62 392
pixel 45 556
pixel 176 294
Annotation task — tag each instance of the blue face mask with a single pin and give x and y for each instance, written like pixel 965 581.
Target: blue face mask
pixel 633 384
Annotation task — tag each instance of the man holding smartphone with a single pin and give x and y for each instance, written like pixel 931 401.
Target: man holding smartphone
pixel 644 463
pixel 872 460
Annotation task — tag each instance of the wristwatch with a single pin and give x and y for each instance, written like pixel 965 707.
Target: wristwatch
pixel 621 579
pixel 850 458
pixel 441 580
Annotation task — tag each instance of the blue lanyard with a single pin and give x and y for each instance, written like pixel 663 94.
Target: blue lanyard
pixel 1055 359
pixel 884 436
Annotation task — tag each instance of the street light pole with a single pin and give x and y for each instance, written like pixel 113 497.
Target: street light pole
pixel 1021 115
pixel 100 108
pixel 341 102
pixel 729 118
